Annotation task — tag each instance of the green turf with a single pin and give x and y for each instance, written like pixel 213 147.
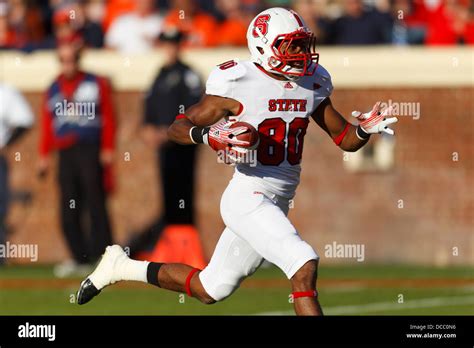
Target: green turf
pixel 356 270
pixel 359 270
pixel 250 299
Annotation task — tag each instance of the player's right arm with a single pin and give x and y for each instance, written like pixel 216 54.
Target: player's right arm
pixel 199 117
pixel 201 123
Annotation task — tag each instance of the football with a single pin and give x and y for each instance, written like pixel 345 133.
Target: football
pixel 251 135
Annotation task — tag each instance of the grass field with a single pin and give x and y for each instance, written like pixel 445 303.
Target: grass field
pixel 344 290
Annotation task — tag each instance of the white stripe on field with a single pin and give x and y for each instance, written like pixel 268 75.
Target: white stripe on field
pixel 382 306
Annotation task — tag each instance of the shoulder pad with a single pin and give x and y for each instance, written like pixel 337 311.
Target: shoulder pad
pixel 322 77
pixel 221 78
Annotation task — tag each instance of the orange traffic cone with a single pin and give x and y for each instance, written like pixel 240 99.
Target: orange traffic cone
pixel 179 244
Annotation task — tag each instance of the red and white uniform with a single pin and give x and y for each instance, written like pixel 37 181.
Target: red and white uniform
pixel 279 110
pixel 254 206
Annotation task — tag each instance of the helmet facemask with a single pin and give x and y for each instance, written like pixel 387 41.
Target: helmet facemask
pixel 294 54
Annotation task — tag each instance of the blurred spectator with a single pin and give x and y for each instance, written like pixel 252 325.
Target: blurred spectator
pixel 79 17
pixel 312 13
pixel 93 13
pixel 176 87
pixel 360 26
pixel 448 22
pixel 15 118
pixel 238 15
pixel 88 18
pixel 116 8
pixel 78 121
pixel 64 22
pixel 26 25
pixel 382 6
pixel 29 24
pixel 409 23
pixel 6 35
pixel 200 29
pixel 469 30
pixel 136 32
pixel 210 7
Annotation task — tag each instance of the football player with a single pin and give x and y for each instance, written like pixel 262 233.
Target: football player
pixel 277 92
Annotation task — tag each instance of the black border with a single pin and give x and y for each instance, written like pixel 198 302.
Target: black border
pixel 136 331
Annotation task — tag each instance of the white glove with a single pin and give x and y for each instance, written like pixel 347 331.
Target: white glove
pixel 375 121
pixel 222 134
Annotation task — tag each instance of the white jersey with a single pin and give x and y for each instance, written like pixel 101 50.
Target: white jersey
pixel 279 110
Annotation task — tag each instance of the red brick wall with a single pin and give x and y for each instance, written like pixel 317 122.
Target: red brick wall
pixel 331 203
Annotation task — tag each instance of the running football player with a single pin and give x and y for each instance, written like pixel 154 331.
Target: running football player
pixel 277 92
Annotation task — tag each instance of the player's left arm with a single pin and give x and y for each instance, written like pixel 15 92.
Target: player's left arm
pixel 349 137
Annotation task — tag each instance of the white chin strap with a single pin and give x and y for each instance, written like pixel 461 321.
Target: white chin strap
pixel 288 76
pixel 292 77
pixel 260 62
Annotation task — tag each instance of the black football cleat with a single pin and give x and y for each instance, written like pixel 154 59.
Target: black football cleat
pixel 104 274
pixel 87 292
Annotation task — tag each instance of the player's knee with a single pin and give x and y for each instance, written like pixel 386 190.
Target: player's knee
pixel 306 276
pixel 222 291
pixel 219 287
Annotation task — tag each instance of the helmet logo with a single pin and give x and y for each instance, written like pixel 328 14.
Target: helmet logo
pixel 261 22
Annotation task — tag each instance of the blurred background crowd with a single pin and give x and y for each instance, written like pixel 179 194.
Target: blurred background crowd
pixel 132 26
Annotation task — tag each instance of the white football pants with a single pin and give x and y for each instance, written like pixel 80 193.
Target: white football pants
pixel 257 229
